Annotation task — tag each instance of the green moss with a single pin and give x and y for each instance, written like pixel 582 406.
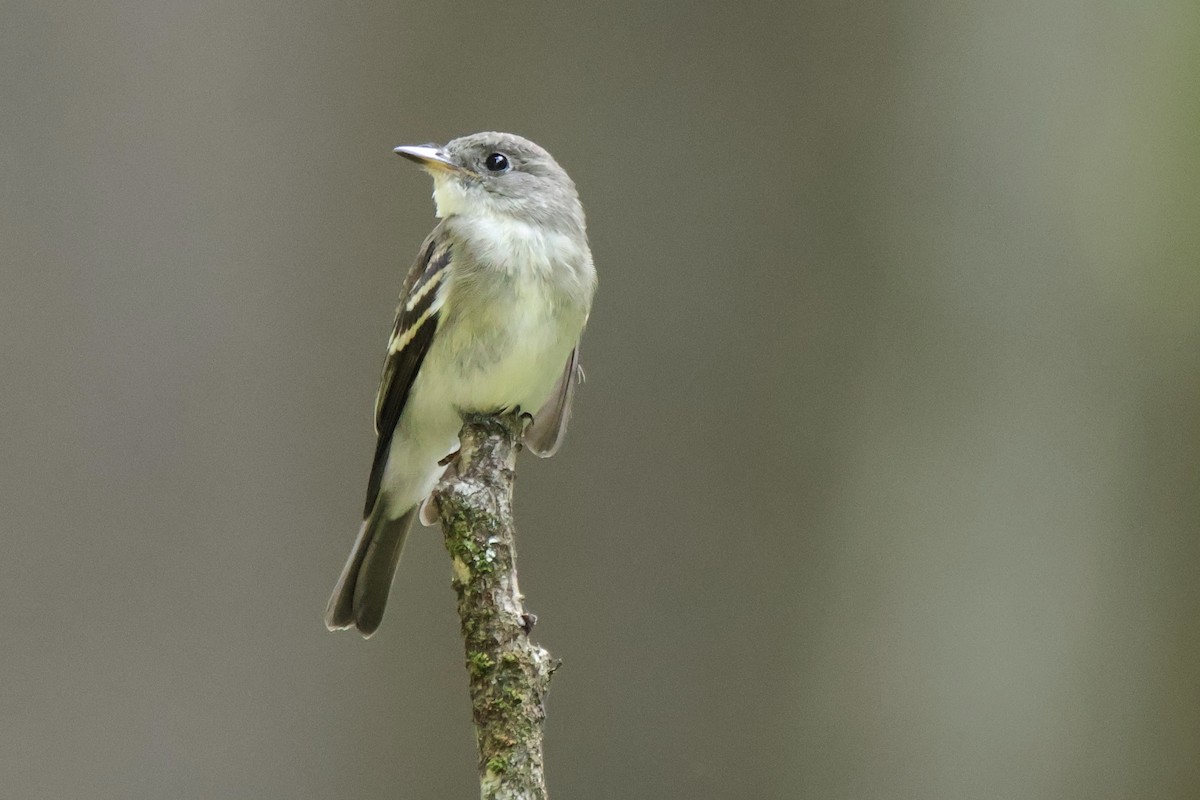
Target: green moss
pixel 512 697
pixel 479 560
pixel 479 663
pixel 497 765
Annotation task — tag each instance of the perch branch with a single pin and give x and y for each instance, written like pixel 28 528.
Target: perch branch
pixel 509 674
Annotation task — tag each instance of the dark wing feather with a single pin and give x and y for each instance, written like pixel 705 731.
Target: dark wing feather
pixel 416 321
pixel 544 436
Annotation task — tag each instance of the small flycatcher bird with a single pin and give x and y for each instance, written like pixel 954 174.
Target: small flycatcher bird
pixel 489 319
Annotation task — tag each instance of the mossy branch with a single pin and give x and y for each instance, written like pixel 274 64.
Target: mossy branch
pixel 509 674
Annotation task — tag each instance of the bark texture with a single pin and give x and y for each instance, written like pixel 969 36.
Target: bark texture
pixel 509 674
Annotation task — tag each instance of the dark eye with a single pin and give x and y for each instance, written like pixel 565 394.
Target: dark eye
pixel 496 162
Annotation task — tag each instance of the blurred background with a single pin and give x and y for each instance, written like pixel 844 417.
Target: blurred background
pixel 885 482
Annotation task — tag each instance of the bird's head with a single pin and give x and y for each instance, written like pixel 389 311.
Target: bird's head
pixel 499 174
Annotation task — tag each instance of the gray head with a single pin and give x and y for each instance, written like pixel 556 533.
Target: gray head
pixel 499 174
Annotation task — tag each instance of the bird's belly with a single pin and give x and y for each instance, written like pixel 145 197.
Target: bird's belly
pixel 522 379
pixel 509 367
pixel 504 345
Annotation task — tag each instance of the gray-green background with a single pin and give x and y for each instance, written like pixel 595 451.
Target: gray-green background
pixel 884 482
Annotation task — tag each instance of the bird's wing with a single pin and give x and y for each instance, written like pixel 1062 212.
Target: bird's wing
pixel 549 425
pixel 421 300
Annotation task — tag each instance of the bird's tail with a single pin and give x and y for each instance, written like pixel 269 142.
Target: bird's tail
pixel 362 590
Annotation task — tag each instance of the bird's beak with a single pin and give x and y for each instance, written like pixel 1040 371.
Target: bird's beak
pixel 431 157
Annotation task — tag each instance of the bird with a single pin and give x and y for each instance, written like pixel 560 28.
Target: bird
pixel 489 320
